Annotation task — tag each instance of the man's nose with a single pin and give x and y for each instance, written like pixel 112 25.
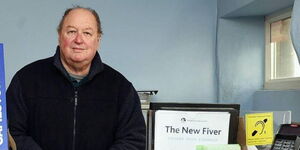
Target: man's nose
pixel 78 39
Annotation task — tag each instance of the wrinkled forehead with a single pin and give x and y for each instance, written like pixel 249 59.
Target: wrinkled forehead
pixel 80 17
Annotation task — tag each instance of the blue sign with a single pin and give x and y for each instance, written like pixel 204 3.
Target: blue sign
pixel 3 119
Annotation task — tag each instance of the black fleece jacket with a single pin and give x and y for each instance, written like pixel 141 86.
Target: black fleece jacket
pixel 45 110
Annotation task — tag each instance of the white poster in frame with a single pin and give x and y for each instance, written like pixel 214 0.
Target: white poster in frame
pixel 178 130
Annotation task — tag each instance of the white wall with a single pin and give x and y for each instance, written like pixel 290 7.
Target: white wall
pixel 166 45
pixel 240 59
pixel 241 48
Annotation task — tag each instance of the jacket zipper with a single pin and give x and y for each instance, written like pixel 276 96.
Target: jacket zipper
pixel 74 119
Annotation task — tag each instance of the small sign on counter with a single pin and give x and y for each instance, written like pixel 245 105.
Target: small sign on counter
pixel 259 128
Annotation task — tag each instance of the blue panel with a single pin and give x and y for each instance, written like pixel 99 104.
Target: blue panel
pixel 3 120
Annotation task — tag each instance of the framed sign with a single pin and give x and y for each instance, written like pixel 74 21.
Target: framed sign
pixel 177 126
pixel 178 130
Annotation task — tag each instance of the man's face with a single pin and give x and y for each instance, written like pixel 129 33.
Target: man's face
pixel 78 39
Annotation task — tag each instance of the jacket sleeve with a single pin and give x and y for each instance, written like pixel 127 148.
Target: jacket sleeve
pixel 131 130
pixel 17 112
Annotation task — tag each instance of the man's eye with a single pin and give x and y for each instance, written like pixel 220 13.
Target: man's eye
pixel 88 33
pixel 71 32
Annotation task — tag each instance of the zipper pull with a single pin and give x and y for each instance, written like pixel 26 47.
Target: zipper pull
pixel 76 97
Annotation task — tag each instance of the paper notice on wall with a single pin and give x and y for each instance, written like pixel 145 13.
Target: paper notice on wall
pixel 178 130
pixel 3 120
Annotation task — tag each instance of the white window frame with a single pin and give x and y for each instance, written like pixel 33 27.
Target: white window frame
pixel 276 84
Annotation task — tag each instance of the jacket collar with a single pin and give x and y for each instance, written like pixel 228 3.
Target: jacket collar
pixel 96 66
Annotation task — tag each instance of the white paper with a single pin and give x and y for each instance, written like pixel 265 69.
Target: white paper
pixel 183 130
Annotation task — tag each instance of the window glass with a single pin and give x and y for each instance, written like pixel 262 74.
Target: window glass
pixel 284 61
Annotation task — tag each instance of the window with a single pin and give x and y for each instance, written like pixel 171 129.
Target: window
pixel 282 70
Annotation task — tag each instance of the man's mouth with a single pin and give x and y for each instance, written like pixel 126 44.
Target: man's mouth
pixel 78 49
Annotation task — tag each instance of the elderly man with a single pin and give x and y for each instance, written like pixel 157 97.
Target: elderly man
pixel 73 101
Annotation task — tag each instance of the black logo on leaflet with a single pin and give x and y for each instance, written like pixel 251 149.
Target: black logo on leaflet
pixel 262 124
pixel 183 120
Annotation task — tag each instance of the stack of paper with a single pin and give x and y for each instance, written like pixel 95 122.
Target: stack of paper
pixel 219 147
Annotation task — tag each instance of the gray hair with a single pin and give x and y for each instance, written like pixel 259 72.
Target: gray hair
pixel 67 11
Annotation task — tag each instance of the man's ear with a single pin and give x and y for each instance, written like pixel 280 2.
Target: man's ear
pixel 99 42
pixel 99 37
pixel 58 35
